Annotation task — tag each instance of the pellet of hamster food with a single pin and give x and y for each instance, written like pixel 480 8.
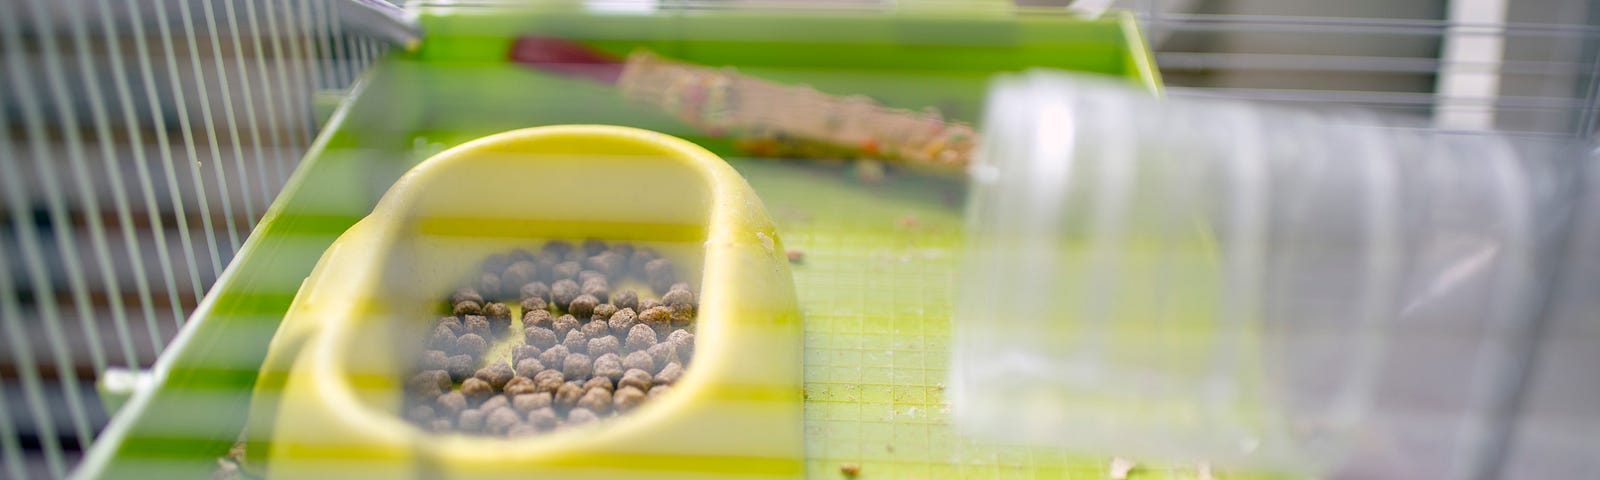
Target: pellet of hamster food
pixel 659 319
pixel 476 390
pixel 607 344
pixel 470 421
pixel 528 402
pixel 608 366
pixel 519 385
pixel 519 274
pixel 537 318
pixel 599 382
pixel 598 288
pixel 517 255
pixel 539 290
pixel 626 299
pixel 595 329
pixel 683 343
pixel 500 421
pixel 636 378
pixel 477 325
pixel 528 367
pixel 465 294
pixel 582 306
pixel 452 403
pixel 564 324
pixel 597 400
pixel 593 246
pixel 442 339
pixel 669 374
pixel 521 352
pixel 496 373
pixel 603 312
pixel 576 342
pixel 641 258
pixel 543 418
pixel 563 291
pixel 496 263
pixel 585 276
pixel 499 316
pixel 549 380
pixel 567 396
pixel 611 264
pixel 531 304
pixel 622 321
pixel 661 274
pixel 489 284
pixel 577 366
pixel 639 360
pixel 461 366
pixel 580 416
pixel 539 337
pixel 662 353
pixel 472 345
pixel 566 271
pixel 453 324
pixel 554 357
pixel 558 247
pixel 434 360
pixel 627 398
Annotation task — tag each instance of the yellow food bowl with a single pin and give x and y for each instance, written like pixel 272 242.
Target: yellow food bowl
pixel 328 401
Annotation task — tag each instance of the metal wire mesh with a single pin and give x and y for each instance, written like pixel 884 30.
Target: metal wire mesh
pixel 143 141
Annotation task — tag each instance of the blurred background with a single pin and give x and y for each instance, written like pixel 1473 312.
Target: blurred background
pixel 146 140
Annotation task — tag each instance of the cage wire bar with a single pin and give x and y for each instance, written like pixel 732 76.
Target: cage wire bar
pixel 144 140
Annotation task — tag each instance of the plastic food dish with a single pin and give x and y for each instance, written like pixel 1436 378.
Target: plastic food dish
pixel 328 401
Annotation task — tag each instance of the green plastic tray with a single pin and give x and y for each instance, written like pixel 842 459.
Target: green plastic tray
pixel 875 285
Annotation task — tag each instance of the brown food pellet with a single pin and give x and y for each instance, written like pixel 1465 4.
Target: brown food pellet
pixel 544 418
pixel 575 256
pixel 528 367
pixel 640 337
pixel 659 319
pixel 627 398
pixel 554 356
pixel 499 316
pixel 604 311
pixel 466 307
pixel 522 429
pixel 593 246
pixel 522 352
pixel 648 303
pixel 659 390
pixel 531 304
pixel 596 400
pixel 451 403
pixel 597 288
pixel 477 325
pixel 496 373
pixel 583 306
pixel 564 324
pixel 497 262
pixel 580 416
pixel 609 263
pixel 539 337
pixel 539 290
pixel 622 321
pixel 679 286
pixel 471 345
pixel 669 374
pixel 519 274
pixel 683 342
pixel 639 259
pixel 599 382
pixel 452 323
pixel 850 469
pixel 636 378
pixel 659 273
pixel 563 291
pixel 489 284
pixel 434 360
pixel 578 366
pixel 595 329
pixel 476 390
pixel 497 401
pixel 428 383
pixel 624 249
pixel 529 402
pixel 662 353
pixel 549 380
pixel 520 385
pixel 421 414
pixel 442 339
pixel 558 247
pixel 517 255
pixel 500 420
pixel 568 395
pixel 471 421
pixel 461 366
pixel 678 296
pixel 626 299
pixel 576 342
pixel 567 271
pixel 607 344
pixel 464 295
pixel 537 318
pixel 608 366
pixel 586 276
